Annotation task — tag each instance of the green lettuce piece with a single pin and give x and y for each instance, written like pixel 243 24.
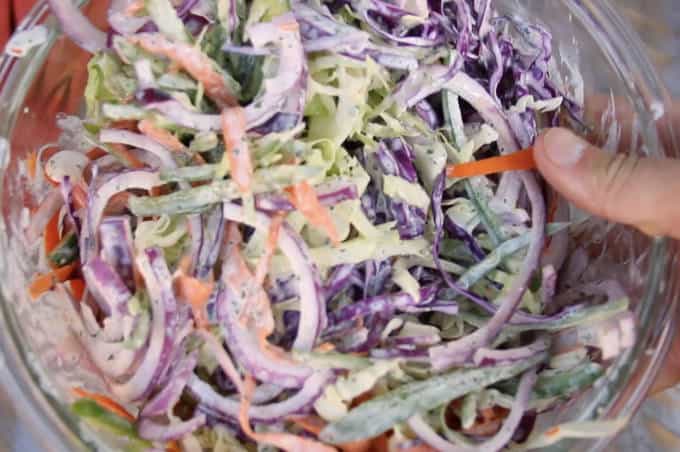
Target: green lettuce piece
pixel 164 15
pixel 107 82
pixel 100 418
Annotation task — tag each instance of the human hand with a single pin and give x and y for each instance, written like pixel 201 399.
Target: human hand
pixel 625 188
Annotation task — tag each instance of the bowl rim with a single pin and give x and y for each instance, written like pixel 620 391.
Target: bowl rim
pixel 57 430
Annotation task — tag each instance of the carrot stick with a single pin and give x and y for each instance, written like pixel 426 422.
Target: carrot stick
pixel 51 234
pixel 96 153
pixel 305 199
pixel 196 293
pixel 161 136
pixel 172 446
pixel 79 196
pixel 104 402
pixel 77 287
pixel 32 163
pixel 520 160
pixel 125 156
pixel 46 282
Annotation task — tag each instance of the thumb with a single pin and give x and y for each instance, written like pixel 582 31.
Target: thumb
pixel 641 192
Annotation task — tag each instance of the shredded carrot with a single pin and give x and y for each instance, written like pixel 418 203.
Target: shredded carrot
pixel 51 235
pixel 46 282
pixel 520 160
pixel 96 153
pixel 134 7
pixel 172 446
pixel 77 287
pixel 285 441
pixel 124 155
pixel 193 61
pixel 32 163
pixel 256 312
pixel 196 293
pixel 304 198
pixel 237 152
pixel 325 347
pixel 553 431
pixel 125 124
pixel 161 136
pixel 104 402
pixel 290 26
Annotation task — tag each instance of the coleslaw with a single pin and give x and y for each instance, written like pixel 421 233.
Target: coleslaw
pixel 314 226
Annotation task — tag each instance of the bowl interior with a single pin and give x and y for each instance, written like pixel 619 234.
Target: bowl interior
pixel 599 62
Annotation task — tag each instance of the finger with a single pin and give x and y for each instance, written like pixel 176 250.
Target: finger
pixel 641 192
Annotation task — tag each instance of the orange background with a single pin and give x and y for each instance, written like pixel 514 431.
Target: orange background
pixel 11 13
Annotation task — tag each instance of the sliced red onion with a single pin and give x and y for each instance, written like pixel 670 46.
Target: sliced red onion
pixel 115 234
pixel 223 359
pixel 285 92
pixel 138 141
pixel 106 286
pixel 501 439
pixel 98 200
pixel 78 27
pixel 154 431
pixel 227 407
pixel 178 113
pixel 163 327
pixel 329 194
pixel 312 303
pixel 247 350
pixel 122 22
pixel 461 350
pixel 493 357
pixel 169 395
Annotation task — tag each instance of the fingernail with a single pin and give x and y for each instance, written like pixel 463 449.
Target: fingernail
pixel 563 148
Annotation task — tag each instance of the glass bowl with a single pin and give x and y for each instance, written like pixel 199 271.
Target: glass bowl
pixel 588 35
